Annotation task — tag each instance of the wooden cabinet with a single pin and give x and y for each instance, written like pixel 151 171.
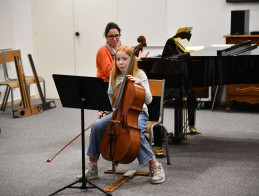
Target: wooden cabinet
pixel 234 39
pixel 242 92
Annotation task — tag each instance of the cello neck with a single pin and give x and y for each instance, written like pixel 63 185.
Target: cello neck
pixel 123 84
pixel 142 41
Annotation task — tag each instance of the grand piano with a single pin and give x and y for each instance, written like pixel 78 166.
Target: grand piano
pixel 212 66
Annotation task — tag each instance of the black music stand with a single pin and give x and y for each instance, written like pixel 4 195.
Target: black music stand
pixel 83 93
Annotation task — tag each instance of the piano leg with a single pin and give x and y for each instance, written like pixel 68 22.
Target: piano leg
pixel 178 126
pixel 178 118
pixel 192 104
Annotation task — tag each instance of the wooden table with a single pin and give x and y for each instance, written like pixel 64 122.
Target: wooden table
pixel 242 92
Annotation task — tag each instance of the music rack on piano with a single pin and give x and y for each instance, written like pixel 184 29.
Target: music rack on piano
pixel 212 66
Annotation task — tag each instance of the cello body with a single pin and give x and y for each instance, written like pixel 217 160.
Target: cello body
pixel 121 139
pixel 125 143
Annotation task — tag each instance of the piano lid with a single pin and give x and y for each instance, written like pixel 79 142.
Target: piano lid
pixel 205 68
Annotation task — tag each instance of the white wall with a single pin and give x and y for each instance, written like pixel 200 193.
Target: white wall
pixel 16 33
pixel 6 36
pixel 210 20
pixel 6 24
pixel 22 26
pixel 145 17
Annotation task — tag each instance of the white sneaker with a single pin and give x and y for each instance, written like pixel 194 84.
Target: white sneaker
pixel 91 171
pixel 158 174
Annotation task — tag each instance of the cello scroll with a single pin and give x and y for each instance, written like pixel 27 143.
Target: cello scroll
pixel 142 40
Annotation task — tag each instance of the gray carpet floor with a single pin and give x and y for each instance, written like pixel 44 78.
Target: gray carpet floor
pixel 222 160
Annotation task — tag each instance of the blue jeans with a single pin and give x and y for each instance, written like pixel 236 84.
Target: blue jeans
pixel 145 153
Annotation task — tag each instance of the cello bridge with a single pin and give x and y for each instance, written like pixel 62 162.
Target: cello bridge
pixel 115 121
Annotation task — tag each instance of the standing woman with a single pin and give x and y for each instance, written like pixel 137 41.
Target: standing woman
pixel 106 53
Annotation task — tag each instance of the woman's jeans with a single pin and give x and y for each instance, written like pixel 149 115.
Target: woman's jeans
pixel 145 153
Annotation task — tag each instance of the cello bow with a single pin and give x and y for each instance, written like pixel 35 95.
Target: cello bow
pixel 59 151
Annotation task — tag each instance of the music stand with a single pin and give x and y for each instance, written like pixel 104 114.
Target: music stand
pixel 83 93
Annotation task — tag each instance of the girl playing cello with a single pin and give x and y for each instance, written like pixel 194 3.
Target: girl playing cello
pixel 145 154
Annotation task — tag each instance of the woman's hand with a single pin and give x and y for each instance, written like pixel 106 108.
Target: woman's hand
pixel 118 45
pixel 142 55
pixel 133 79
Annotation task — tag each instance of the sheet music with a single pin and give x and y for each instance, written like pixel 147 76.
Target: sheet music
pixel 194 48
pixel 222 45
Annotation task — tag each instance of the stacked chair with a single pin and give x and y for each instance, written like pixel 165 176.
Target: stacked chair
pixel 7 59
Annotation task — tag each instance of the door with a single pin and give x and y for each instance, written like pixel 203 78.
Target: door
pixel 90 20
pixel 57 48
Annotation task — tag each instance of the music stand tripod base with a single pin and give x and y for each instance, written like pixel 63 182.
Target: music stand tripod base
pixel 81 187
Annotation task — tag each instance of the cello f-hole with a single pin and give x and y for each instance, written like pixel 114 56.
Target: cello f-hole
pixel 111 137
pixel 123 126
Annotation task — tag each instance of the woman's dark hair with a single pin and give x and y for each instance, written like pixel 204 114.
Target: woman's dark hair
pixel 109 26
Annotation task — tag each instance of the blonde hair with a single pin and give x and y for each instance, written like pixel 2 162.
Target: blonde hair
pixel 115 70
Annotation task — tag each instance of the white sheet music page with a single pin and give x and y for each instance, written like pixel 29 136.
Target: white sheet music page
pixel 194 48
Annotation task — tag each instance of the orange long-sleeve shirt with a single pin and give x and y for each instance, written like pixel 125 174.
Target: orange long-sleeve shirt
pixel 104 63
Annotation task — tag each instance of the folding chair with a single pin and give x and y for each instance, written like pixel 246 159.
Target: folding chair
pixel 157 90
pixel 10 85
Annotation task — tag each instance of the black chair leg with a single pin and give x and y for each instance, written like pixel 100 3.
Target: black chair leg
pixel 5 99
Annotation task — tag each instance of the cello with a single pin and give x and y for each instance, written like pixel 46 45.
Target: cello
pixel 121 140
